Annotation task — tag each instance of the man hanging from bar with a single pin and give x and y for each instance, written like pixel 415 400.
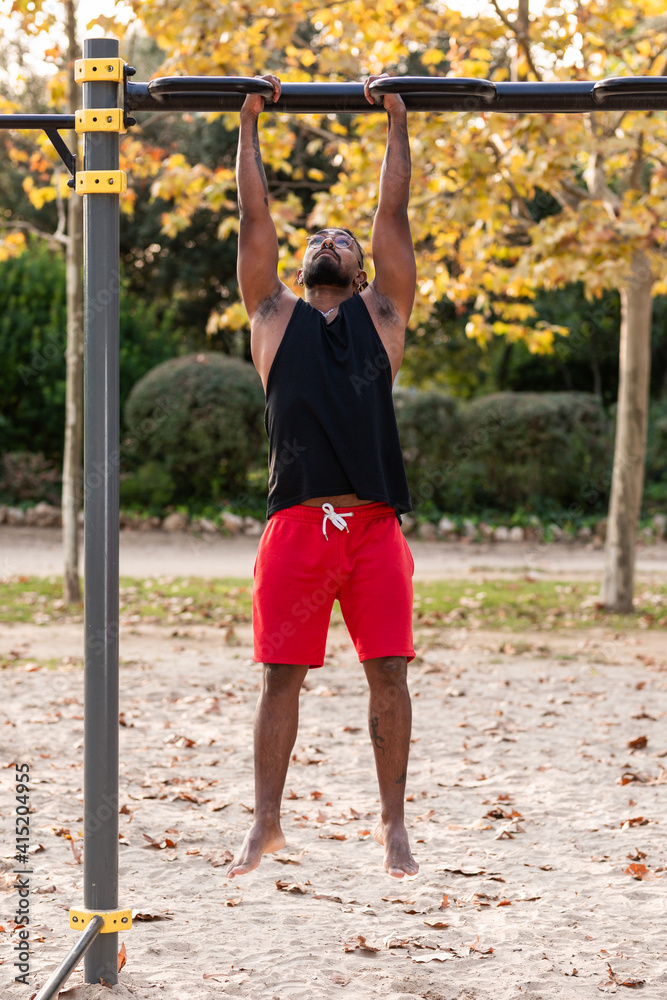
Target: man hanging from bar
pixel 337 482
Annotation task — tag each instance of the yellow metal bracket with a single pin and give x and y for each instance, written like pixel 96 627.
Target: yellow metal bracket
pixel 99 120
pixel 114 920
pixel 94 70
pixel 101 182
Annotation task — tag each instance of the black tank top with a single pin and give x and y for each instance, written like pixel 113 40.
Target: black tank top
pixel 329 412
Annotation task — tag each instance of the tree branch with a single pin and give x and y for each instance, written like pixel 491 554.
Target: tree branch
pixel 634 173
pixel 570 195
pixel 520 32
pixel 499 150
pixel 329 136
pixel 60 205
pixel 598 188
pixel 28 227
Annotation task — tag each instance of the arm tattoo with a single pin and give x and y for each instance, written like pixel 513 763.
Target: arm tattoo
pixel 397 159
pixel 258 162
pixel 374 722
pixel 401 780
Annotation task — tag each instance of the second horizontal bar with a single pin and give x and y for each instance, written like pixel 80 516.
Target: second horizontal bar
pixel 332 98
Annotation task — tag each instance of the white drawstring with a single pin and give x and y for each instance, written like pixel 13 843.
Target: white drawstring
pixel 331 515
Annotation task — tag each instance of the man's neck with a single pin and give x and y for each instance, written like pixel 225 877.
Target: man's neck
pixel 327 298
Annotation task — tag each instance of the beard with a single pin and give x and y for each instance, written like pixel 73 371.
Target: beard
pixel 325 270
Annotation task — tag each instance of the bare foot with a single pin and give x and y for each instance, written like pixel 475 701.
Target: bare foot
pixel 259 840
pixel 398 858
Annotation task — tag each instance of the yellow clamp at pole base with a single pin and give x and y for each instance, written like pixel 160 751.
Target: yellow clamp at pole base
pixel 114 920
pixel 99 120
pixel 101 182
pixel 96 70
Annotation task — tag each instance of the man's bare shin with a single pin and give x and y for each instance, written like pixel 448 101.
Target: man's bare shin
pixel 390 723
pixel 275 730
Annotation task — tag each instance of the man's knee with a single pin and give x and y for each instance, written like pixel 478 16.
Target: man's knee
pixel 388 666
pixel 387 674
pixel 283 676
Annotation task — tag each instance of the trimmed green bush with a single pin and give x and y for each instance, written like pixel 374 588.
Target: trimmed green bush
pixel 33 337
pixel 533 450
pixel 149 488
pixel 655 488
pixel 429 424
pixel 200 417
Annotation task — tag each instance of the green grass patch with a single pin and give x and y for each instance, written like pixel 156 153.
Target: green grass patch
pixel 524 604
pixel 493 604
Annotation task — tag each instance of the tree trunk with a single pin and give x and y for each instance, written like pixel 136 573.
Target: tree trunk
pixel 630 448
pixel 72 471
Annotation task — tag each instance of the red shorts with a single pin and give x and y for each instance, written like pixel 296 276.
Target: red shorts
pixel 299 574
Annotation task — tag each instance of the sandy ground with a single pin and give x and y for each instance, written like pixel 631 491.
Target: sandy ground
pixel 536 809
pixel 38 552
pixel 527 809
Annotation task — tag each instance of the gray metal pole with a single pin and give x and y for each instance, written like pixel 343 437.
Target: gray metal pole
pixel 51 988
pixel 101 222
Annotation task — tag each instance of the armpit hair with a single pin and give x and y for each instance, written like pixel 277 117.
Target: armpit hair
pixel 268 306
pixel 386 309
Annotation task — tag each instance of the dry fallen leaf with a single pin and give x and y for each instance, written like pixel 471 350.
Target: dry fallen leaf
pixel 184 796
pixel 151 916
pixel 635 821
pixel 609 985
pixel 122 956
pixel 296 887
pixel 474 947
pixel 218 858
pixel 640 743
pixel 640 872
pixel 290 859
pixel 509 829
pixel 395 942
pixel 359 943
pixel 231 902
pixel 468 872
pixel 437 925
pixel 180 741
pixel 426 816
pixel 434 956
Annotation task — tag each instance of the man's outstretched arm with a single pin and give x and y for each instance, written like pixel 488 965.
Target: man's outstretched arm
pixel 257 267
pixel 393 252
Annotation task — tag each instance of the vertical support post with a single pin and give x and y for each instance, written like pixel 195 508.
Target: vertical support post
pixel 101 457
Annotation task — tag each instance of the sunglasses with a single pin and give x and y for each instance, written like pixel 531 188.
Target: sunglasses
pixel 340 240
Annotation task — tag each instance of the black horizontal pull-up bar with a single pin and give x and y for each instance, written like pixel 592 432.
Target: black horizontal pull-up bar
pixel 429 93
pixel 166 85
pixel 420 93
pixel 37 121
